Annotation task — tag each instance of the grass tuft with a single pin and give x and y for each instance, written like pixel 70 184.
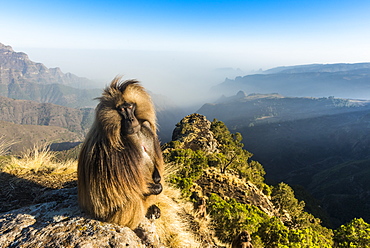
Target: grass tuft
pixel 5 145
pixel 40 158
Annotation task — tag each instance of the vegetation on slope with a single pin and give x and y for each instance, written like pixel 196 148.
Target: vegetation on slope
pixel 230 214
pixel 305 142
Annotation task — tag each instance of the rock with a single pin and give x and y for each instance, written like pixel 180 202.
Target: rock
pixel 193 132
pixel 59 222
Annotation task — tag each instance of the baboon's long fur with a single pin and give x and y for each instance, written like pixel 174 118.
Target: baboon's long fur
pixel 114 170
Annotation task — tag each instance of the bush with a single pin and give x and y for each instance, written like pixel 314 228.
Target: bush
pixel 189 167
pixel 273 233
pixel 356 233
pixel 231 217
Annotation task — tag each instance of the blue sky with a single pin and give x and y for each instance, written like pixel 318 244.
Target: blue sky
pixel 149 39
pixel 179 24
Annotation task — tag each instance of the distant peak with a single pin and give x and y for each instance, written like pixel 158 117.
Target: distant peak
pixel 2 46
pixel 241 94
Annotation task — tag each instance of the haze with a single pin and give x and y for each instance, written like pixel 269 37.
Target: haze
pixel 176 48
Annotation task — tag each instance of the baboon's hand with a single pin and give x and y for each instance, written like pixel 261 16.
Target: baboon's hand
pixel 154 189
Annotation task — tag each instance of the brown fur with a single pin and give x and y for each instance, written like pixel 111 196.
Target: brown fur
pixel 243 240
pixel 115 170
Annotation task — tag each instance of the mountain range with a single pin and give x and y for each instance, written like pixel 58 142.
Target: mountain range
pixel 32 94
pixel 21 78
pixel 316 80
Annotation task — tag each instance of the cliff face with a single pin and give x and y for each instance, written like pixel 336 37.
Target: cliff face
pixel 17 67
pixel 24 137
pixel 26 123
pixel 21 78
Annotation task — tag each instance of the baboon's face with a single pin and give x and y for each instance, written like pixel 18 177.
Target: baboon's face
pixel 129 122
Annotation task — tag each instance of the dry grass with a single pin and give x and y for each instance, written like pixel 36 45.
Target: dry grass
pixel 39 159
pixel 180 224
pixel 40 167
pixel 173 227
pixel 27 176
pixel 5 145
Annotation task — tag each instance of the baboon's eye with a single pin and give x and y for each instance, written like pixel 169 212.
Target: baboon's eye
pixel 126 106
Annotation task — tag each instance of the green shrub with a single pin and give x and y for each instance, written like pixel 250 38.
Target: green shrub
pixel 356 233
pixel 189 167
pixel 230 217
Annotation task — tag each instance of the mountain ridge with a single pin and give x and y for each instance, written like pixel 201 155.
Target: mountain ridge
pixel 28 112
pixel 21 137
pixel 253 109
pixel 17 65
pixel 340 80
pixel 318 68
pixel 45 122
pixel 21 78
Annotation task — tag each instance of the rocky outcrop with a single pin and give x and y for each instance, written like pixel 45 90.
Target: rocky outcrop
pixel 58 222
pixel 193 132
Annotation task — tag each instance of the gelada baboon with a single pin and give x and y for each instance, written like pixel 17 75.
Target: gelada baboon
pixel 243 240
pixel 120 163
